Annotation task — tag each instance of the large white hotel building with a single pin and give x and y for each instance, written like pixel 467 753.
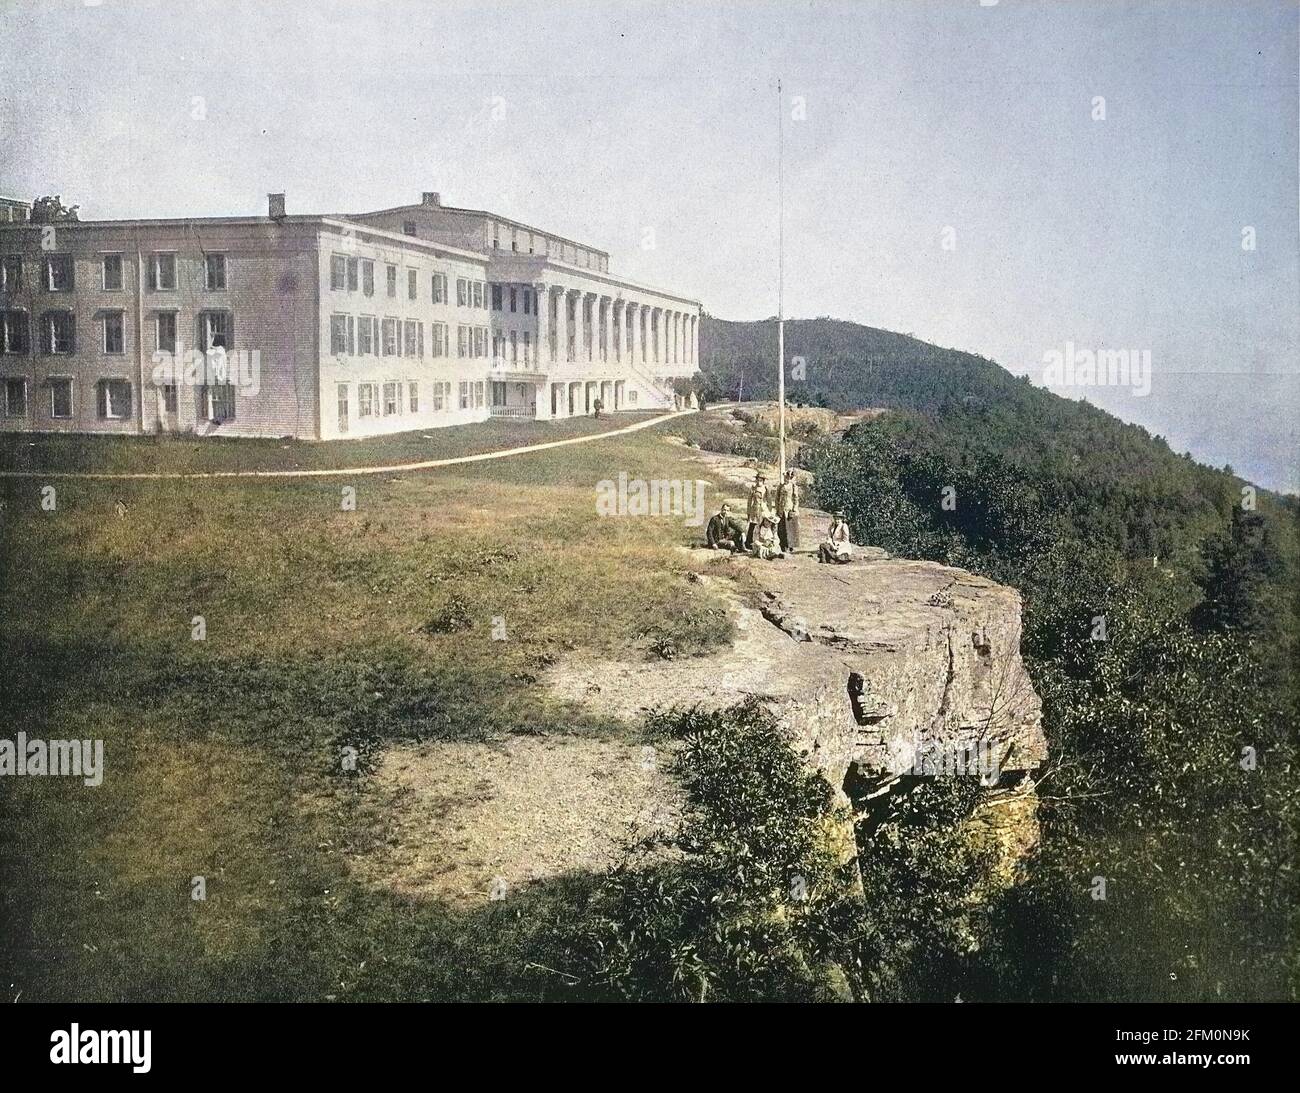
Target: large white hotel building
pixel 323 326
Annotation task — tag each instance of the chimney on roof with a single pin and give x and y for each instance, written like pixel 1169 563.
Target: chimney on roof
pixel 275 206
pixel 430 198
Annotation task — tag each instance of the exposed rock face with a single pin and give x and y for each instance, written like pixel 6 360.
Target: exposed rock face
pixel 894 666
pixel 882 670
pixel 919 669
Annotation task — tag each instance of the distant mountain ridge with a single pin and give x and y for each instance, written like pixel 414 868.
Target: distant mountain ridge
pixel 1117 480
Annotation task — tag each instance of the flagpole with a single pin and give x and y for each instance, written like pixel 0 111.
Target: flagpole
pixel 780 266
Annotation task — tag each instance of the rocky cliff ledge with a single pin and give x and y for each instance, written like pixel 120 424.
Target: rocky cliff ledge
pixel 884 666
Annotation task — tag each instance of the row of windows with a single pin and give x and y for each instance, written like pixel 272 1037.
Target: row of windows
pixel 358 275
pixel 59 272
pixel 56 331
pixel 394 398
pixel 513 296
pixel 552 248
pixel 366 335
pixel 112 398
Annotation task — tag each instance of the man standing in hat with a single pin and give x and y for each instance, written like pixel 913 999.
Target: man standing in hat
pixel 787 511
pixel 758 507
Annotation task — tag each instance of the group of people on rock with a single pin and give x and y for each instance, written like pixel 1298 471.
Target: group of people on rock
pixel 772 530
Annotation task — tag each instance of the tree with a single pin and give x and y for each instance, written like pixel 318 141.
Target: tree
pixel 1241 563
pixel 51 210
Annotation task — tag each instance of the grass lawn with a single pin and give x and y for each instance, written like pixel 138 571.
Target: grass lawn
pixel 188 454
pixel 325 629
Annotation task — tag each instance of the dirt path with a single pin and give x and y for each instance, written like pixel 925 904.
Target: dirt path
pixel 390 468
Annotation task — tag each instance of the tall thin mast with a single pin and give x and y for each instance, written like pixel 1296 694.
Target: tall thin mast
pixel 780 266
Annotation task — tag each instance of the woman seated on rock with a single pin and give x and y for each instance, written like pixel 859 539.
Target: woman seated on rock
pixel 766 545
pixel 836 546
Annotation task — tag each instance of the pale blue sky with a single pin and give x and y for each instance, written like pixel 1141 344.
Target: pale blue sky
pixel 599 121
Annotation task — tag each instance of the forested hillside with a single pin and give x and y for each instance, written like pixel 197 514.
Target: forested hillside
pixel 1116 483
pixel 1160 629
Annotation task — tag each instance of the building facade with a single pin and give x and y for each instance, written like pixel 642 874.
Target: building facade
pixel 323 326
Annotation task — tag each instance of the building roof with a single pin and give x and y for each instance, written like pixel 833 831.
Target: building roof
pixel 421 206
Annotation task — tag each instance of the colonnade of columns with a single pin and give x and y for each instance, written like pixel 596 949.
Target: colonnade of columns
pixel 582 327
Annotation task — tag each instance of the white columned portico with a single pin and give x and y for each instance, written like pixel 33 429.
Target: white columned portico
pixel 560 299
pixel 543 309
pixel 573 348
pixel 607 328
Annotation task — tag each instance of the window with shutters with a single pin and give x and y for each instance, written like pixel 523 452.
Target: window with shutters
pixel 60 397
pixel 165 331
pixel 60 332
pixel 220 398
pixel 59 273
pixel 13 332
pixel 114 332
pixel 341 335
pixel 112 273
pixel 214 272
pixel 216 330
pixel 114 399
pixel 11 273
pixel 15 398
pixel 162 272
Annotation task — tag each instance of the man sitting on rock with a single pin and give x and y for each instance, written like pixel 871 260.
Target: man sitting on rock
pixel 836 546
pixel 766 545
pixel 725 532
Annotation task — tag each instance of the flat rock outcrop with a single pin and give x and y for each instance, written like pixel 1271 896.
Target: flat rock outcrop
pixel 925 659
pixel 897 667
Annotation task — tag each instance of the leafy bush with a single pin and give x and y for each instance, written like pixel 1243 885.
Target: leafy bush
pixel 752 900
